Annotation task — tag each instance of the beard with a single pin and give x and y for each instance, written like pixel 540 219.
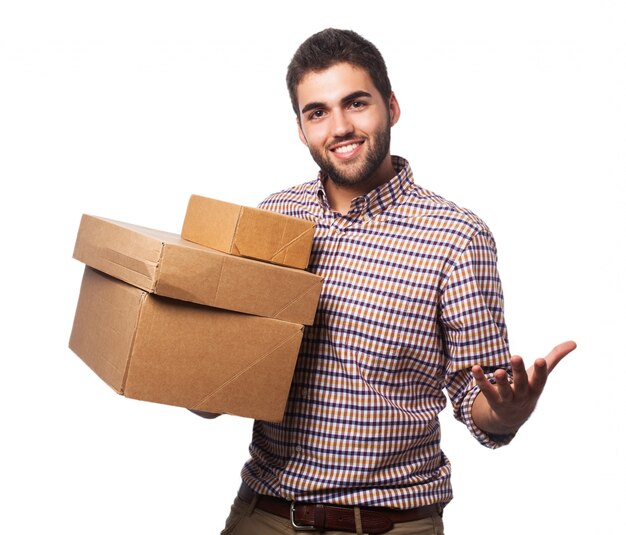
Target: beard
pixel 354 173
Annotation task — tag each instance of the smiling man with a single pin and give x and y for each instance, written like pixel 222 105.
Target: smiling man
pixel 411 307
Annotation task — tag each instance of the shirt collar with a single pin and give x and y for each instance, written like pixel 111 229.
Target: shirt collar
pixel 379 199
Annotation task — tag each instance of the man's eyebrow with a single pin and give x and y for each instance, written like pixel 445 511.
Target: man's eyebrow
pixel 312 106
pixel 355 95
pixel 352 96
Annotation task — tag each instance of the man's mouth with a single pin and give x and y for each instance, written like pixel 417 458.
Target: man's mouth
pixel 347 149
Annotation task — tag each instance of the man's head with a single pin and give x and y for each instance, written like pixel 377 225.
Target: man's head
pixel 345 109
pixel 329 47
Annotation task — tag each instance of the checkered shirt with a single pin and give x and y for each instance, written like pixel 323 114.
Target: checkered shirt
pixel 411 301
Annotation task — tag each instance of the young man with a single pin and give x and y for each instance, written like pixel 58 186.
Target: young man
pixel 411 306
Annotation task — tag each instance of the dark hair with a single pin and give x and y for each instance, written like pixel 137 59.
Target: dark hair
pixel 329 47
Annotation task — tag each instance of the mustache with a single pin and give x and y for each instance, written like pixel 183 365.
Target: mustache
pixel 345 139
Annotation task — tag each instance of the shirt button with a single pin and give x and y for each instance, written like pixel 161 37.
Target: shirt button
pixel 298 449
pixel 305 393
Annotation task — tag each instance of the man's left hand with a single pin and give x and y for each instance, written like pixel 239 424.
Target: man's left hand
pixel 503 406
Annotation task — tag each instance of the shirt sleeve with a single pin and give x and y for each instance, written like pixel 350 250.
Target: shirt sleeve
pixel 473 328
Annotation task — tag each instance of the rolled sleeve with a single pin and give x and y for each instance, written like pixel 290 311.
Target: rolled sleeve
pixel 473 328
pixel 464 414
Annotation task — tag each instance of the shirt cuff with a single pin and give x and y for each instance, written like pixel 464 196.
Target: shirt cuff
pixel 488 440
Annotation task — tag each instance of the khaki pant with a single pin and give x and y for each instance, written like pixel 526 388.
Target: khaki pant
pixel 244 519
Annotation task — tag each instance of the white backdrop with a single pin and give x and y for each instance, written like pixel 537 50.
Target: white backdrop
pixel 124 108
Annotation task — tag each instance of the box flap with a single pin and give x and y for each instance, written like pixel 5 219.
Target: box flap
pixel 261 380
pixel 120 250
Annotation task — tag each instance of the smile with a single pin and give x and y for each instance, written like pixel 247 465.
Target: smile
pixel 348 149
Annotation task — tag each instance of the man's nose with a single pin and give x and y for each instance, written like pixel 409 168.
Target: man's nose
pixel 341 124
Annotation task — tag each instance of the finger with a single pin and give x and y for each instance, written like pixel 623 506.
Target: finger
pixel 488 390
pixel 539 376
pixel 503 386
pixel 558 353
pixel 520 376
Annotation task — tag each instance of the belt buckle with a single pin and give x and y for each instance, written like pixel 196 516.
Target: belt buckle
pixel 292 517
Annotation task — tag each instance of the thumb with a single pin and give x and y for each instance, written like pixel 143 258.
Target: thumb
pixel 558 353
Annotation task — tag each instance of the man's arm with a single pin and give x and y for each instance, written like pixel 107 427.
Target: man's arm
pixel 502 407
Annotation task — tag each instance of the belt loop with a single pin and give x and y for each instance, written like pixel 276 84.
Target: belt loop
pixel 357 520
pixel 319 517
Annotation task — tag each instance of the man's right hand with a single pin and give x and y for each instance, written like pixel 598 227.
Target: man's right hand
pixel 208 415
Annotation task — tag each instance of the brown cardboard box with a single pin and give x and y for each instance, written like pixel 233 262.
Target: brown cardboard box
pixel 168 351
pixel 165 264
pixel 250 232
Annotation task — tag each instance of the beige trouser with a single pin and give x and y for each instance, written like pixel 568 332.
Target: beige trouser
pixel 244 519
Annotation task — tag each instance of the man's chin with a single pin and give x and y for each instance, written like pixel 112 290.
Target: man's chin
pixel 347 173
pixel 351 175
pixel 344 179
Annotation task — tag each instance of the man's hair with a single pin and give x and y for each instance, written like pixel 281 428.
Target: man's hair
pixel 329 47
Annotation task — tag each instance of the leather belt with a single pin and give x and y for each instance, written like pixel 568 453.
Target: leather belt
pixel 322 517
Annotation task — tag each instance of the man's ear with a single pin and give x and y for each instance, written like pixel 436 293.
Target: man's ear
pixel 301 133
pixel 394 109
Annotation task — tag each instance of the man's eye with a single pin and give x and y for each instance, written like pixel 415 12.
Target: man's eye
pixel 317 114
pixel 357 104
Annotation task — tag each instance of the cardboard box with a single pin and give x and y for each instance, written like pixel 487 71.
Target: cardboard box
pixel 249 232
pixel 167 351
pixel 165 264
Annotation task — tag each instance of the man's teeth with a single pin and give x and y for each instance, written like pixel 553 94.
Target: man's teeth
pixel 347 148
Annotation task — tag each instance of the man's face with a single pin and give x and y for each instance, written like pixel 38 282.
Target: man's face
pixel 346 124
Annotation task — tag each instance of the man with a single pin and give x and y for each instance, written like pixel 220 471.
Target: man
pixel 411 306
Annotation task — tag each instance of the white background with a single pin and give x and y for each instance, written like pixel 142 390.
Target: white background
pixel 124 108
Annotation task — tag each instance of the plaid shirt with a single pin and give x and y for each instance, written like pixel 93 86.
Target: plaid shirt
pixel 411 300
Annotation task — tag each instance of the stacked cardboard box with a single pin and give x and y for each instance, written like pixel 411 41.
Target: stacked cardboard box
pixel 250 232
pixel 212 324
